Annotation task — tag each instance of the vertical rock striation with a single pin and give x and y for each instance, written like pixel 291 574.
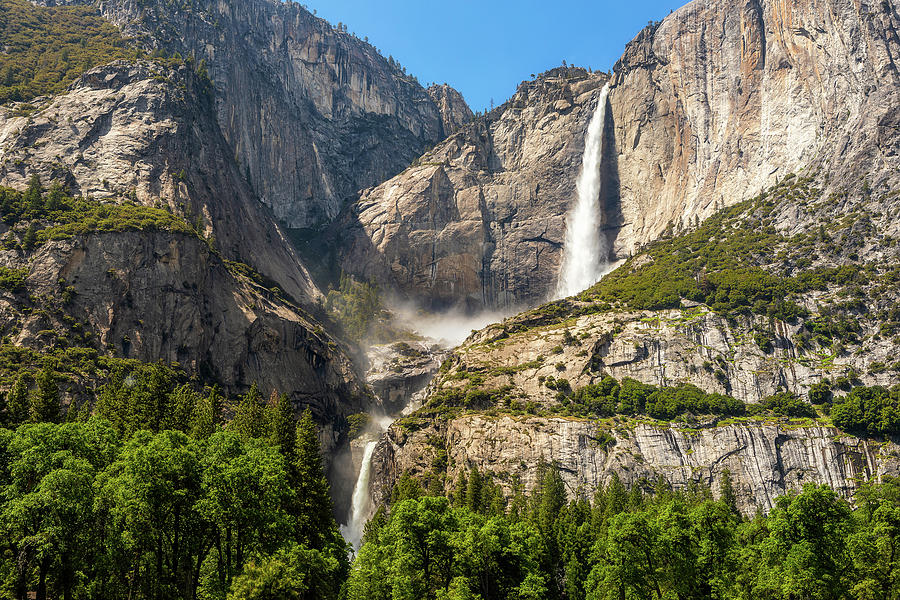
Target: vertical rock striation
pixel 724 97
pixel 312 112
pixel 765 460
pixel 479 221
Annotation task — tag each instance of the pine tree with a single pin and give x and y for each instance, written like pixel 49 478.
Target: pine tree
pixel 459 491
pixel 313 507
pixel 728 495
pixel 280 419
pixel 203 418
pixel 473 489
pixel 55 197
pixel 113 404
pixel 184 403
pixel 30 237
pixel 33 195
pixel 250 418
pixel 45 399
pixel 17 399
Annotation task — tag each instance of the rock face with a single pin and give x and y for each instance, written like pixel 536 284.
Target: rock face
pixel 478 221
pixel 313 114
pixel 723 97
pixel 147 132
pixel 707 108
pixel 765 459
pixel 399 373
pixel 663 348
pixel 165 296
pixel 455 113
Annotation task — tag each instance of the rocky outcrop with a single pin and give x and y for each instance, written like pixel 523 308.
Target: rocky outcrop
pixel 455 113
pixel 398 373
pixel 146 132
pixel 478 221
pixel 663 348
pixel 153 295
pixel 723 97
pixel 312 113
pixel 765 460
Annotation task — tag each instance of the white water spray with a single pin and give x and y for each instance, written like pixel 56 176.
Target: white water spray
pixel 361 502
pixel 584 253
pixel 354 529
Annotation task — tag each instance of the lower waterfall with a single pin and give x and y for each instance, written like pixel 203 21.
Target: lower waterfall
pixel 585 252
pixel 361 501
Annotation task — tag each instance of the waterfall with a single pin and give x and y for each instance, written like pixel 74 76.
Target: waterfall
pixel 359 509
pixel 585 252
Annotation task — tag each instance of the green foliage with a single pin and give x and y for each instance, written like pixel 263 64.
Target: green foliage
pixel 13 280
pixel 788 405
pixel 868 410
pixel 358 423
pixel 609 398
pixel 89 514
pixel 671 544
pixel 249 419
pixel 714 264
pixel 358 309
pixel 45 49
pixel 62 217
pixel 45 399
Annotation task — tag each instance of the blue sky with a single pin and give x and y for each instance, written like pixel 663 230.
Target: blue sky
pixel 486 48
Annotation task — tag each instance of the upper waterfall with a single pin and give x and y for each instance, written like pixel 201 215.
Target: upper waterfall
pixel 585 252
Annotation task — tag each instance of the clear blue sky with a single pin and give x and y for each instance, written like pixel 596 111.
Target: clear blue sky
pixel 486 48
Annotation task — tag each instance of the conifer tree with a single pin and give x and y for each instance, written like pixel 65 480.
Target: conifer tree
pixel 30 237
pixel 34 194
pixel 280 419
pixel 728 495
pixel 459 493
pixel 473 489
pixel 17 399
pixel 203 418
pixel 183 404
pixel 250 418
pixel 45 399
pixel 313 497
pixel 55 197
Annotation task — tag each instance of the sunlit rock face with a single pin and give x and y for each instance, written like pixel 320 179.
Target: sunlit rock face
pixel 147 133
pixel 764 460
pixel 478 222
pixel 313 113
pixel 707 108
pixel 724 97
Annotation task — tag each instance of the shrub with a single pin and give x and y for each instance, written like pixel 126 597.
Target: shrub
pixel 788 405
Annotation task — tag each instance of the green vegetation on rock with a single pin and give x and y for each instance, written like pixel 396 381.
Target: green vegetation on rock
pixel 718 264
pixel 47 48
pixel 37 216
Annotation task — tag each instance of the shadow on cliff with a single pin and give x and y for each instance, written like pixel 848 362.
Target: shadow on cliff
pixel 610 187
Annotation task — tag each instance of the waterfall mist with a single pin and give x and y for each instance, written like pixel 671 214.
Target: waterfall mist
pixel 585 251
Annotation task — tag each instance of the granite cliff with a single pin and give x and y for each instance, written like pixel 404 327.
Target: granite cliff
pixel 478 221
pixel 230 302
pixel 311 112
pixel 708 107
pixel 723 98
pixel 792 293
